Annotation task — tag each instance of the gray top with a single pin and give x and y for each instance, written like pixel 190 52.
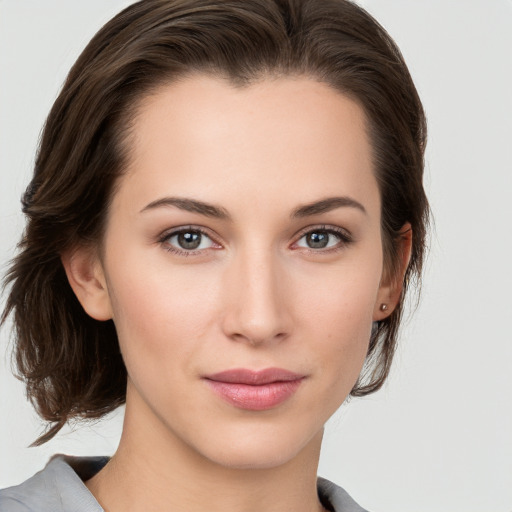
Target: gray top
pixel 60 487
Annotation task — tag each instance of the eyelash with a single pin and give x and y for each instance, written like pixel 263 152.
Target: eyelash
pixel 164 240
pixel 345 238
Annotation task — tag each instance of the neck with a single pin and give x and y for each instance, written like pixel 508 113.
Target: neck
pixel 147 473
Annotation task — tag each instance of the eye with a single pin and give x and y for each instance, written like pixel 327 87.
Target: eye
pixel 187 241
pixel 323 238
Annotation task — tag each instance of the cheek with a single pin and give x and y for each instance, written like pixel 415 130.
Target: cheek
pixel 159 311
pixel 341 299
pixel 338 317
pixel 343 329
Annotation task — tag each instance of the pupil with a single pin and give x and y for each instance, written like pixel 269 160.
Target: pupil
pixel 189 240
pixel 317 240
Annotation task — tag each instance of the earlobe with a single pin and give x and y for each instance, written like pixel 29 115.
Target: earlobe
pixel 390 289
pixel 87 279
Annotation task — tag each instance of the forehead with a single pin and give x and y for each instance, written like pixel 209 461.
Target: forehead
pixel 295 136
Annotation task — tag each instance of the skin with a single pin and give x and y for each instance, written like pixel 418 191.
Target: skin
pixel 254 295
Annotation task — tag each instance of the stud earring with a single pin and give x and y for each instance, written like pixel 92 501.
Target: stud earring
pixel 383 307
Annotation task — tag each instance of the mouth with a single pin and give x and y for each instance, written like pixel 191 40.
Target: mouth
pixel 255 390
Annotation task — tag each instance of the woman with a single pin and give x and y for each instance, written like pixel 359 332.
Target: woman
pixel 226 210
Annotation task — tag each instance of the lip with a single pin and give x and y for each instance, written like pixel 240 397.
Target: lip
pixel 255 390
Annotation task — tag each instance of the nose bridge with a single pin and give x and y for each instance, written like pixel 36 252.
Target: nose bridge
pixel 257 310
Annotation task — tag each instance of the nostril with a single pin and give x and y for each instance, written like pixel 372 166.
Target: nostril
pixel 258 339
pixel 257 308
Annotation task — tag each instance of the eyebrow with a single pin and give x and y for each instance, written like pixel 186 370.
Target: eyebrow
pixel 326 205
pixel 190 205
pixel 210 210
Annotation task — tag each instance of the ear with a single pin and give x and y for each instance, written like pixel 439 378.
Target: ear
pixel 87 279
pixel 391 285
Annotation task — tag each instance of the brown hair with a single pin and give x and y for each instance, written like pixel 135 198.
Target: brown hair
pixel 71 364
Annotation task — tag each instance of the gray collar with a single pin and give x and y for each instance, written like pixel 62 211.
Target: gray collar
pixel 60 487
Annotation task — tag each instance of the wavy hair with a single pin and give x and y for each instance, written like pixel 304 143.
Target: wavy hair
pixel 71 363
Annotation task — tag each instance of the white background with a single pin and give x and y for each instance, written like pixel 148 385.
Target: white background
pixel 439 436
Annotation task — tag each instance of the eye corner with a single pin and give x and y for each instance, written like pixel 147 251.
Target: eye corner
pixel 198 244
pixel 323 242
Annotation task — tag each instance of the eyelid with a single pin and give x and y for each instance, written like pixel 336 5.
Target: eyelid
pixel 169 233
pixel 343 234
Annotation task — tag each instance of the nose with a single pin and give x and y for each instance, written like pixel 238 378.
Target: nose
pixel 257 306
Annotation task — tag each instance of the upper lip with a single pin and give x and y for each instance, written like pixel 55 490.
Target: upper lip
pixel 254 377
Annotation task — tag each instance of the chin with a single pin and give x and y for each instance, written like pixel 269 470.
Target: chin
pixel 261 451
pixel 253 459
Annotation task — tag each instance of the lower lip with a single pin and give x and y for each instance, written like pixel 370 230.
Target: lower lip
pixel 255 398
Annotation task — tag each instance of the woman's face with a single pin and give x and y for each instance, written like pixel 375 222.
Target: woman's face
pixel 242 265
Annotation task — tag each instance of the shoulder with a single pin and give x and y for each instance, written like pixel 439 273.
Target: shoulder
pixel 58 487
pixel 335 498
